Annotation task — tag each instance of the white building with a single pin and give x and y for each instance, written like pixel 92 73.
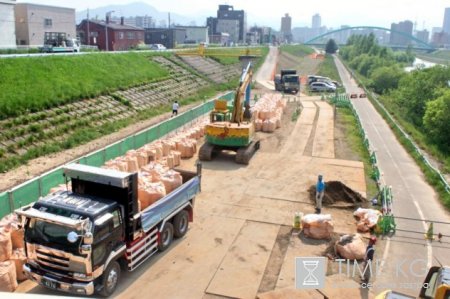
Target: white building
pixel 229 26
pixel 195 34
pixel 7 24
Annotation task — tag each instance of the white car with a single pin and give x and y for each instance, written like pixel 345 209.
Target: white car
pixel 322 86
pixel 157 47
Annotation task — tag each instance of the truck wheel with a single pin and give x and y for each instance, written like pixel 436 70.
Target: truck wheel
pixel 110 279
pixel 166 236
pixel 180 224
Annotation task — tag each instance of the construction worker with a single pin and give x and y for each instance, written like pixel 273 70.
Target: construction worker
pixel 320 190
pixel 370 251
pixel 175 107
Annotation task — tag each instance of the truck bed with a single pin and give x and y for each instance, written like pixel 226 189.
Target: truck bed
pixel 179 197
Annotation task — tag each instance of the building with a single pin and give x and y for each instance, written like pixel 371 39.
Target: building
pixel 423 35
pixel 227 12
pixel 137 21
pixel 37 25
pixel 220 39
pixel 440 39
pixel 7 24
pixel 405 27
pixel 109 36
pixel 195 34
pixel 446 24
pixel 169 37
pixel 286 26
pixel 229 26
pixel 316 21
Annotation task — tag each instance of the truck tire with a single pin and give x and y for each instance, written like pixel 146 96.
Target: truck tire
pixel 166 236
pixel 181 224
pixel 110 279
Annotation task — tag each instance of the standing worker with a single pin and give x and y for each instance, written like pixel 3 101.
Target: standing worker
pixel 370 251
pixel 175 107
pixel 320 190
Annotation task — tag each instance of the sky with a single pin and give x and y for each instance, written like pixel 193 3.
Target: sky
pixel 334 13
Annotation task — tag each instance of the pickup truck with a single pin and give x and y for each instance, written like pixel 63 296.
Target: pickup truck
pixel 78 241
pixel 287 81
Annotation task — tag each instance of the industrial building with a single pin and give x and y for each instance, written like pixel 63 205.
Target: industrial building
pixel 195 34
pixel 37 25
pixel 286 25
pixel 168 37
pixel 7 26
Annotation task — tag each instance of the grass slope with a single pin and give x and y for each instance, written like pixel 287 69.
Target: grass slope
pixel 37 83
pixel 297 50
pixel 328 69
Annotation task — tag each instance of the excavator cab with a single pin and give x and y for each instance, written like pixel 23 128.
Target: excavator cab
pixel 437 284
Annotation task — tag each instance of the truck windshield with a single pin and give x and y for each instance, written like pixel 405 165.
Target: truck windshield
pixel 292 79
pixel 46 233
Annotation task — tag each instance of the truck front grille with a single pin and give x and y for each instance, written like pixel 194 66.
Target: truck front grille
pixel 52 259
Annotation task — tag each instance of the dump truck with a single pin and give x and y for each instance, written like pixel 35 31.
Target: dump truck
pixel 287 81
pixel 79 241
pixel 61 46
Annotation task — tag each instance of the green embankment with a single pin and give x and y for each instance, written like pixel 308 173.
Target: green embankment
pixel 38 83
pixel 328 69
pixel 220 55
pixel 297 50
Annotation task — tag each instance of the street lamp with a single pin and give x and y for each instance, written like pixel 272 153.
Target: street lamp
pixel 108 16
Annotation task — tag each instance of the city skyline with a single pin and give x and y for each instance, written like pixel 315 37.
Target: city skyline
pixel 333 14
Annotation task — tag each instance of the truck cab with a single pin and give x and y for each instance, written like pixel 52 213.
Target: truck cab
pixel 78 241
pixel 287 81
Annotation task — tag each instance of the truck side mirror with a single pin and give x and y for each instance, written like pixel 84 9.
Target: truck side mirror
pixel 72 237
pixel 88 238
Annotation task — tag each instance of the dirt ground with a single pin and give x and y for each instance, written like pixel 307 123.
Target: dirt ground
pixel 241 243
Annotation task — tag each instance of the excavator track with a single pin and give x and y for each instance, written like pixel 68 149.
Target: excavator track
pixel 206 151
pixel 244 154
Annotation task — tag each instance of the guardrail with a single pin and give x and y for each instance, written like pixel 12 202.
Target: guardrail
pixel 31 190
pixel 386 223
pixel 405 135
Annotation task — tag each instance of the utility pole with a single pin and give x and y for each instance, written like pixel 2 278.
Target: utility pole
pixel 169 21
pixel 108 16
pixel 88 34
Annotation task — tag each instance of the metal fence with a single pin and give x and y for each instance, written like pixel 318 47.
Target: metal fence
pixel 31 190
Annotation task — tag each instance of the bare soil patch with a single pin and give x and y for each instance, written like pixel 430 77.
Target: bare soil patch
pixel 338 195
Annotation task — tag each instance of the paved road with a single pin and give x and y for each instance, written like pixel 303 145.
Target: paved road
pixel 264 74
pixel 406 254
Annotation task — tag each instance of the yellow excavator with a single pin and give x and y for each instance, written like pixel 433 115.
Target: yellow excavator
pixel 232 130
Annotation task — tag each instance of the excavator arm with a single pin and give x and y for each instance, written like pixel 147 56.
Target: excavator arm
pixel 243 89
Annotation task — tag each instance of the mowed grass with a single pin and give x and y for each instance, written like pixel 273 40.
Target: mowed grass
pixel 38 83
pixel 297 50
pixel 328 69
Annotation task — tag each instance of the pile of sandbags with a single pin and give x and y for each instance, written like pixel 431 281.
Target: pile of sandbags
pixel 268 111
pixel 368 218
pixel 12 254
pixel 317 226
pixel 351 247
pixel 155 181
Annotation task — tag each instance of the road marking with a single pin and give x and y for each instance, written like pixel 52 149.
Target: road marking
pixel 363 109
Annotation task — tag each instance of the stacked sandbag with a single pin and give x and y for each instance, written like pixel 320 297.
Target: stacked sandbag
pixel 317 226
pixel 149 193
pixel 8 278
pixel 268 111
pixel 5 244
pixel 171 180
pixel 19 258
pixel 351 247
pixel 368 218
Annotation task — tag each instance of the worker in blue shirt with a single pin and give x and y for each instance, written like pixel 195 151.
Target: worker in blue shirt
pixel 320 190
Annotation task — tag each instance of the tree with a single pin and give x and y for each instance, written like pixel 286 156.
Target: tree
pixel 385 78
pixel 437 121
pixel 331 47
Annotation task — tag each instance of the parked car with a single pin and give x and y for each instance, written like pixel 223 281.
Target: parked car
pixel 322 86
pixel 158 47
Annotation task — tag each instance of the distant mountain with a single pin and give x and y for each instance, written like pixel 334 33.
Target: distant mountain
pixel 140 9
